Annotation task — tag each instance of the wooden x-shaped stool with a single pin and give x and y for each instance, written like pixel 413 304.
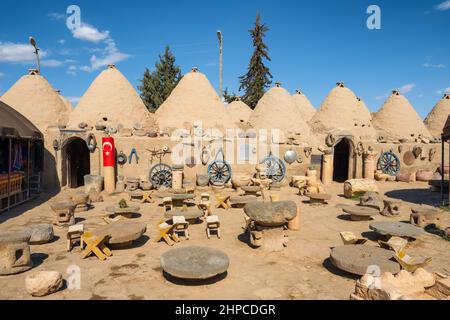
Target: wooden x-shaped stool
pixel 166 233
pixel 222 202
pixel 95 245
pixel 147 197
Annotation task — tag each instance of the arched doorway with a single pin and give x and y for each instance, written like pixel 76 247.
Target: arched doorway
pixel 78 162
pixel 341 161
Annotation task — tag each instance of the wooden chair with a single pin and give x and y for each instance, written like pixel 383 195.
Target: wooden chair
pixel 147 197
pixel 349 238
pixel 95 245
pixel 222 201
pixel 74 235
pixel 109 220
pixel 180 226
pixel 408 263
pixel 212 224
pixel 167 204
pixel 165 232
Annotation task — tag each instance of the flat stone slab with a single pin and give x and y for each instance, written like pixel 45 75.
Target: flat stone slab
pixel 271 214
pixel 177 196
pixel 251 189
pixel 398 229
pixel 116 209
pixel 356 259
pixel 188 215
pixel 194 263
pixel 122 232
pixel 15 237
pixel 319 196
pixel 241 200
pixel 360 211
pixel 63 205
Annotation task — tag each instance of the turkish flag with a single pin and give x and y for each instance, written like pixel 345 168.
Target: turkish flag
pixel 109 155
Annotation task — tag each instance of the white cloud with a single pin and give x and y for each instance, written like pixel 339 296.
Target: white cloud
pixel 74 100
pixel 443 91
pixel 407 88
pixel 72 73
pixel 70 61
pixel 18 53
pixel 2 74
pixel 430 65
pixel 57 16
pixel 443 6
pixel 51 63
pixel 61 41
pixel 89 33
pixel 109 55
pixel 72 68
pixel 384 96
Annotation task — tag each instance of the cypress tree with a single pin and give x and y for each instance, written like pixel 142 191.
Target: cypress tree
pixel 156 86
pixel 258 77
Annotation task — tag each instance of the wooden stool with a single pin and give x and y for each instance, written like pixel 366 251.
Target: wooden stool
pixel 205 204
pixel 95 245
pixel 74 235
pixel 147 197
pixel 167 204
pixel 212 224
pixel 222 202
pixel 165 232
pixel 180 226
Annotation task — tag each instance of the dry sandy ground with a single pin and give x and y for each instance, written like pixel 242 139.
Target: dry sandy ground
pixel 301 271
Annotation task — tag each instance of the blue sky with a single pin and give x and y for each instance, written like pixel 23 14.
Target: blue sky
pixel 313 44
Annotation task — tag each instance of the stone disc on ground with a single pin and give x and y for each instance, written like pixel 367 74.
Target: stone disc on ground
pixel 360 211
pixel 398 229
pixel 357 259
pixel 122 232
pixel 271 214
pixel 194 263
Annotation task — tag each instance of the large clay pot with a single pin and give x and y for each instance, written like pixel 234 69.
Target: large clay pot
pixel 241 180
pixel 202 180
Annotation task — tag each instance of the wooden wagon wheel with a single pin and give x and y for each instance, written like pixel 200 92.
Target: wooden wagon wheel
pixel 219 171
pixel 275 168
pixel 389 163
pixel 161 176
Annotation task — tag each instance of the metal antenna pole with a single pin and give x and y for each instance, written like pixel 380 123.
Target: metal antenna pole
pixel 36 52
pixel 219 35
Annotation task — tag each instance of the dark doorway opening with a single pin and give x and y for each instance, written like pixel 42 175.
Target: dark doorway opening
pixel 78 163
pixel 341 161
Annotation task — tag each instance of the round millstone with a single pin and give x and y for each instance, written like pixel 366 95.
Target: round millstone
pixel 357 259
pixel 398 229
pixel 121 233
pixel 194 263
pixel 271 214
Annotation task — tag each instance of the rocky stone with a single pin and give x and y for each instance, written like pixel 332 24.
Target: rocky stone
pixel 407 177
pixel 41 234
pixel 271 214
pixel 424 175
pixel 424 217
pixel 392 208
pixel 95 196
pixel 196 263
pixel 372 200
pixel 43 283
pixel 359 213
pixel 357 259
pixel 398 229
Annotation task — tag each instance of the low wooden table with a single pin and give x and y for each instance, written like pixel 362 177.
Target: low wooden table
pixel 192 214
pixel 318 198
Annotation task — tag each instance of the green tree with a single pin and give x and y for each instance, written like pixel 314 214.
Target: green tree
pixel 229 97
pixel 258 77
pixel 156 86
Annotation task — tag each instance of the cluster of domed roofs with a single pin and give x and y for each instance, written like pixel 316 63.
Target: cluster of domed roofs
pixel 112 99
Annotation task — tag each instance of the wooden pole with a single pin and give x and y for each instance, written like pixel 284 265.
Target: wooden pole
pixel 442 169
pixel 29 169
pixel 9 173
pixel 220 64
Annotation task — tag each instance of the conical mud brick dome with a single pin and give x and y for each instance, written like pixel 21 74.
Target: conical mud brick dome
pixel 276 110
pixel 111 99
pixel 66 102
pixel 398 119
pixel 193 100
pixel 238 111
pixel 435 121
pixel 34 97
pixel 342 110
pixel 303 104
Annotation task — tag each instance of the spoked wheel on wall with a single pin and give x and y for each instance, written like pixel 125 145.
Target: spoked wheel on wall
pixel 161 176
pixel 275 168
pixel 219 172
pixel 389 163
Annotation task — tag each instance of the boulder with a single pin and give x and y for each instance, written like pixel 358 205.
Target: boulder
pixel 271 214
pixel 359 186
pixel 373 200
pixel 424 175
pixel 43 283
pixel 406 177
pixel 41 234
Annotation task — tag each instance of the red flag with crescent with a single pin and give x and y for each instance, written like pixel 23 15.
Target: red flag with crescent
pixel 109 156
